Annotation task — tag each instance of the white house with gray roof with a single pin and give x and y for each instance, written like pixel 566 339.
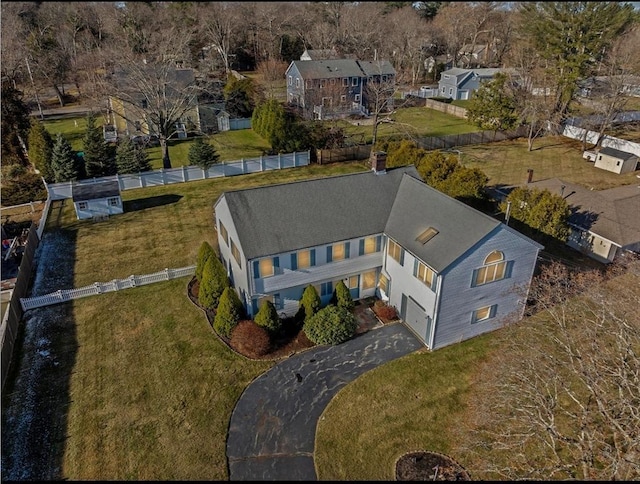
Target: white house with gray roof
pixel 451 271
pixel 457 83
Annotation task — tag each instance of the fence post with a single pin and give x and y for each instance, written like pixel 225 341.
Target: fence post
pixel 244 166
pixel 162 175
pixel 97 286
pixel 279 162
pixel 166 274
pixel 261 163
pixel 132 279
pixel 184 174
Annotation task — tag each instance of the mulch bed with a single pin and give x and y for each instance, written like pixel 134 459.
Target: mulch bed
pixel 429 466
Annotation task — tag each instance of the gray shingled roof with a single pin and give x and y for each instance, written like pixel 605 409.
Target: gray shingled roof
pixel 619 154
pixel 612 213
pixel 292 216
pixel 339 68
pixel 418 206
pixel 94 191
pixel 376 68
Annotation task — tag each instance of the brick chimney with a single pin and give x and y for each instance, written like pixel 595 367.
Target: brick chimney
pixel 529 175
pixel 379 162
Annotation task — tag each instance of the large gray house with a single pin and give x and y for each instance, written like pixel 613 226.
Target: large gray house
pixel 457 83
pixel 334 88
pixel 451 271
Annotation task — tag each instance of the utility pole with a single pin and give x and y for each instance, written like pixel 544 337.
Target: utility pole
pixel 35 90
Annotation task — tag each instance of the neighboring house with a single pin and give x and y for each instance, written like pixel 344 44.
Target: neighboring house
pixel 457 83
pixel 96 200
pixel 130 117
pixel 326 89
pixel 604 223
pixel 319 54
pixel 475 55
pixel 451 271
pixel 616 161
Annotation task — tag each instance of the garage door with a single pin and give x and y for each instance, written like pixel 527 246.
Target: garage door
pixel 464 95
pixel 414 315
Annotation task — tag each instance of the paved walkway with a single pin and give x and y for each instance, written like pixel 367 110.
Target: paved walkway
pixel 272 428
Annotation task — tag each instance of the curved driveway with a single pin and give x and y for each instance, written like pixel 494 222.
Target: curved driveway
pixel 272 428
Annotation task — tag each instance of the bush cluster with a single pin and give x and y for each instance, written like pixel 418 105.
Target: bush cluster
pixel 250 339
pixel 331 325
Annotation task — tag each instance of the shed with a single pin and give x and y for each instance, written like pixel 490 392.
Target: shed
pixel 97 200
pixel 616 161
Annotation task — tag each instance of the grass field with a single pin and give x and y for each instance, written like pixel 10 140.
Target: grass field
pixel 507 162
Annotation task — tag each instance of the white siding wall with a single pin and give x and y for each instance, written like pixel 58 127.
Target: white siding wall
pixel 97 207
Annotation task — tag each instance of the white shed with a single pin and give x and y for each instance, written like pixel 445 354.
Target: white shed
pixel 96 200
pixel 616 161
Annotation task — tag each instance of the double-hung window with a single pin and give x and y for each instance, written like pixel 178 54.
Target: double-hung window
pixel 266 267
pixel 369 245
pixel 482 314
pixel 223 232
pixel 395 252
pixel 236 253
pixel 424 274
pixel 303 259
pixel 337 252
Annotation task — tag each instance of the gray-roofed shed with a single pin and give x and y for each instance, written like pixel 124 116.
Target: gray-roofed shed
pixel 287 217
pixel 621 155
pixel 418 206
pixel 94 191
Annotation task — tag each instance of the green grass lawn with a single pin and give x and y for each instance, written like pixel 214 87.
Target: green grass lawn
pixel 73 129
pixel 507 162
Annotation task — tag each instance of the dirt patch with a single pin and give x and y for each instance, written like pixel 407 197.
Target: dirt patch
pixel 429 466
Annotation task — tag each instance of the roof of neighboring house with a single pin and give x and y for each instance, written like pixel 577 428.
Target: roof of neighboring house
pixel 319 54
pixel 94 191
pixel 459 226
pixel 472 48
pixel 619 154
pixel 611 213
pixel 339 68
pixel 461 74
pixel 291 216
pixel 177 79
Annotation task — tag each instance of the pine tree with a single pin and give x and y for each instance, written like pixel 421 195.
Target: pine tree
pixel 41 149
pixel 214 281
pixel 142 159
pixel 310 301
pixel 267 317
pixel 96 157
pixel 204 253
pixel 63 161
pixel 125 156
pixel 342 296
pixel 202 154
pixel 228 313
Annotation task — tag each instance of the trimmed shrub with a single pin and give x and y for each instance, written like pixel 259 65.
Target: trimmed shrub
pixel 342 296
pixel 268 318
pixel 250 339
pixel 331 326
pixel 310 301
pixel 204 253
pixel 228 313
pixel 385 311
pixel 213 283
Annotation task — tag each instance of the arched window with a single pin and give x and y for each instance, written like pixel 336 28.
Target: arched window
pixel 494 269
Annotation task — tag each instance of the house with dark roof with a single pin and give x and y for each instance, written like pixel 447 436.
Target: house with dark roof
pixel 457 83
pixel 335 88
pixel 97 199
pixel 604 223
pixel 614 160
pixel 451 271
pixel 319 54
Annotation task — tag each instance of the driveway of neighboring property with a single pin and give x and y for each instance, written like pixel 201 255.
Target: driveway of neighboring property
pixel 272 428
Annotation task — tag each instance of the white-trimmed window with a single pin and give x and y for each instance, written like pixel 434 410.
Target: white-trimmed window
pixel 113 202
pixel 291 80
pixel 353 282
pixel 424 274
pixel 323 83
pixel 297 82
pixel 396 252
pixel 369 280
pixel 356 98
pixel 494 269
pixel 304 259
pixel 343 98
pixel 482 314
pixel 369 245
pixel 338 251
pixel 236 253
pixel 266 267
pixel 83 205
pixel 223 232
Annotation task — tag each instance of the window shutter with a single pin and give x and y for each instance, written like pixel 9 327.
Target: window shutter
pixel 256 269
pixel 401 257
pixel 276 265
pixel 415 267
pixel 254 306
pixel 329 253
pixel 378 243
pixel 313 257
pixel 329 287
pixel 492 311
pixel 361 246
pixel 294 261
pixel 347 247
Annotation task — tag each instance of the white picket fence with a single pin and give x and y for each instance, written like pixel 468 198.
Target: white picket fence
pixel 63 295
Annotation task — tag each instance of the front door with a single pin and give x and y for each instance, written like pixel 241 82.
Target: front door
pixel 353 283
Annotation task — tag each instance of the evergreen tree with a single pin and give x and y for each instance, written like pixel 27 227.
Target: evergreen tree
pixel 492 106
pixel 202 154
pixel 142 159
pixel 15 126
pixel 125 156
pixel 41 149
pixel 267 317
pixel 310 301
pixel 96 157
pixel 228 313
pixel 204 253
pixel 63 161
pixel 342 296
pixel 214 281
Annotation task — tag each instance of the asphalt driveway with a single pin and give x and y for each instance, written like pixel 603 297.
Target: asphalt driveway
pixel 272 428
